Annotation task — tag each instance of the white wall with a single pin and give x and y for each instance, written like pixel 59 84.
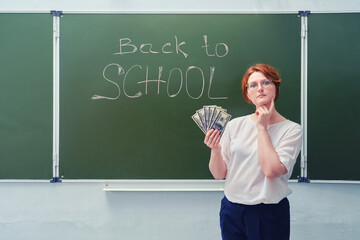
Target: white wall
pixel 82 211
pixel 182 6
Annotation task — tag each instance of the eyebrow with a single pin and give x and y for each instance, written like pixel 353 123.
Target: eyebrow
pixel 259 80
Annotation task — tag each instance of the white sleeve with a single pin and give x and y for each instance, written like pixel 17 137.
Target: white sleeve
pixel 289 147
pixel 225 144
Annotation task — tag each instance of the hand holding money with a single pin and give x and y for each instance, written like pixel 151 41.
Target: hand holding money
pixel 211 117
pixel 212 139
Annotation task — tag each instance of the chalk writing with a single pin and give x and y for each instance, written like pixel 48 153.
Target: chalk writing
pixel 176 74
pixel 126 47
pixel 217 46
pixel 120 71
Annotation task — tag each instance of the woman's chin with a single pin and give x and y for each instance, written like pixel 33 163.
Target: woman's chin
pixel 262 102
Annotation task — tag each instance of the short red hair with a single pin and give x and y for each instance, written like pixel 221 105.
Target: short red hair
pixel 268 71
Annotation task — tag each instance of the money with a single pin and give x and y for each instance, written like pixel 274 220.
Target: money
pixel 211 117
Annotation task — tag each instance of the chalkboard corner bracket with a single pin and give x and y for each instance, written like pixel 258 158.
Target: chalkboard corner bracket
pixel 304 13
pixel 55 180
pixel 56 13
pixel 303 180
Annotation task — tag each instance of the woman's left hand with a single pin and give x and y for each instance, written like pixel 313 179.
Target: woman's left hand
pixel 263 115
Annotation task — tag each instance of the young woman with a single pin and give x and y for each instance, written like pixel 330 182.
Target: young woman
pixel 256 155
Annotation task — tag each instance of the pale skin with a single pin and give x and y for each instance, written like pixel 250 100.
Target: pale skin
pixel 265 115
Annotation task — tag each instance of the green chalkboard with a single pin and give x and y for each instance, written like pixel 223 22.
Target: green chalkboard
pixel 334 84
pixel 25 96
pixel 125 112
pixel 130 83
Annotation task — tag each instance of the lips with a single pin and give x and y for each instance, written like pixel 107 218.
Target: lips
pixel 261 95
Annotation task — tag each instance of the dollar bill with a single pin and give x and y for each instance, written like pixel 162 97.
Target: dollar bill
pixel 201 114
pixel 208 114
pixel 211 117
pixel 198 122
pixel 214 113
pixel 220 122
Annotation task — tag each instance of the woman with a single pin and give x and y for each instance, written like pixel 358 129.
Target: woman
pixel 256 155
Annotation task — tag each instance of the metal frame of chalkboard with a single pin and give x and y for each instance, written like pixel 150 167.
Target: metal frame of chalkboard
pixel 178 12
pixel 56 94
pixel 56 77
pixel 304 93
pixel 204 12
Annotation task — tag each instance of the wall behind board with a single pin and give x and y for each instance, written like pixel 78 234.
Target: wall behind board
pixel 185 5
pixel 78 210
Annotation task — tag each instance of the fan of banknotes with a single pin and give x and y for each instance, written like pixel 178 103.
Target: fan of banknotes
pixel 211 117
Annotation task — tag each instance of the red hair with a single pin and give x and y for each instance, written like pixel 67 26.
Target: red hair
pixel 268 71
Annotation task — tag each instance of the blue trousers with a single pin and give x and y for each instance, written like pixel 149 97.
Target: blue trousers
pixel 255 222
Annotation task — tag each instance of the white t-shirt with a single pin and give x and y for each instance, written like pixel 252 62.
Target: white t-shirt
pixel 245 182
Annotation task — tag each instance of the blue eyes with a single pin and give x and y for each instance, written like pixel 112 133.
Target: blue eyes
pixel 264 83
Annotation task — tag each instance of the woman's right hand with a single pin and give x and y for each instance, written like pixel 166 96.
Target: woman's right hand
pixel 217 165
pixel 212 139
